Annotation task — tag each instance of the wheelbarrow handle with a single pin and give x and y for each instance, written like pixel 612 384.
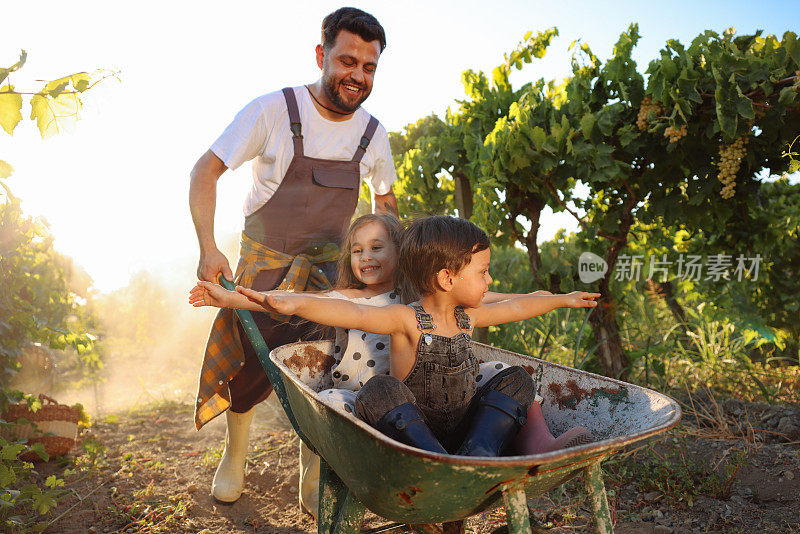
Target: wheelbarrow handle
pixel 262 351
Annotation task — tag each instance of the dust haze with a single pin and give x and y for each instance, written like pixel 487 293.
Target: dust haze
pixel 150 341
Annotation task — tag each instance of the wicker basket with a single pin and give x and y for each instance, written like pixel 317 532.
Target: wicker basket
pixel 56 427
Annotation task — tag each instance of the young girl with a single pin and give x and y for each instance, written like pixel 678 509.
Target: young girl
pixel 447 261
pixel 368 275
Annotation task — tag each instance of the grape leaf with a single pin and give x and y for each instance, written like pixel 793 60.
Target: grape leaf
pixel 726 106
pixel 744 105
pixel 787 96
pixel 687 86
pixel 16 66
pixel 79 82
pixel 539 136
pixel 53 115
pixel 587 125
pixel 10 105
pixel 56 87
pixel 792 46
pixel 6 170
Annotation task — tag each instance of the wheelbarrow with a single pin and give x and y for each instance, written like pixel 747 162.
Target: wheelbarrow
pixel 362 468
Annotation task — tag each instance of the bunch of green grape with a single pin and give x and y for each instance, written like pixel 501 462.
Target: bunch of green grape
pixel 675 134
pixel 644 110
pixel 730 159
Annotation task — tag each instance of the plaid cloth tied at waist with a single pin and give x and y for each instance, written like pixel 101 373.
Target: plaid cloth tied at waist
pixel 224 355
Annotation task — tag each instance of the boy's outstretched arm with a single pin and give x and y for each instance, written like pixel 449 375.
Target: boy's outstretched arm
pixel 329 311
pixel 491 296
pixel 527 306
pixel 211 294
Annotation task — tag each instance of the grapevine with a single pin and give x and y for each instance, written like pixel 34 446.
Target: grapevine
pixel 730 159
pixel 644 110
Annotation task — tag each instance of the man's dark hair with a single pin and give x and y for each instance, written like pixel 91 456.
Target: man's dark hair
pixel 435 243
pixel 355 21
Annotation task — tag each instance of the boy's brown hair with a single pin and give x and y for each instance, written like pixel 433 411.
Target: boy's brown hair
pixel 435 243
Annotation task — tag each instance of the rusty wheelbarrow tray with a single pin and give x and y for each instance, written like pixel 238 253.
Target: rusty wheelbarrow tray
pixel 363 468
pixel 405 484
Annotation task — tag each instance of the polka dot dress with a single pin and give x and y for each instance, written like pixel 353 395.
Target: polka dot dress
pixel 361 355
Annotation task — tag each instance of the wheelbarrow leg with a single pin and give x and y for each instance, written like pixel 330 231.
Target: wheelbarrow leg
pixel 351 516
pixel 339 511
pixel 593 478
pixel 332 492
pixel 516 509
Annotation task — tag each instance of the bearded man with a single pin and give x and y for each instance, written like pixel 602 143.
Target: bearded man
pixel 311 146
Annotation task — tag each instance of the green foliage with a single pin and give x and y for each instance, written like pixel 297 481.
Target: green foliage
pixel 673 472
pixel 732 352
pixel 24 499
pixel 423 155
pixel 36 301
pixel 648 147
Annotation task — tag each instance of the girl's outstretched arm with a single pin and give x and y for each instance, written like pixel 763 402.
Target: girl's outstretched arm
pixel 211 294
pixel 527 306
pixel 331 311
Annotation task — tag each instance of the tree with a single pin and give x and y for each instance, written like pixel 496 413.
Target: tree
pixel 686 146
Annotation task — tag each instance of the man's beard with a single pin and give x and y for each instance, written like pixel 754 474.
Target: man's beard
pixel 332 90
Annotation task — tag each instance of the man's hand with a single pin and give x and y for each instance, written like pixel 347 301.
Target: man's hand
pixel 202 203
pixel 386 204
pixel 211 264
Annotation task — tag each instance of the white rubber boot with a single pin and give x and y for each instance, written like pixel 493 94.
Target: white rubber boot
pixel 309 481
pixel 229 479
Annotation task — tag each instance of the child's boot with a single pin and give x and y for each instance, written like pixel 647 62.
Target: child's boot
pixel 497 420
pixel 406 424
pixel 229 479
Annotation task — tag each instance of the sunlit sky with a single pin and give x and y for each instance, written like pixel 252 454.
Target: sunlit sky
pixel 115 189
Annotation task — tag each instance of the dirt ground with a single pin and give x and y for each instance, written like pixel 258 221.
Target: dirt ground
pixel 728 467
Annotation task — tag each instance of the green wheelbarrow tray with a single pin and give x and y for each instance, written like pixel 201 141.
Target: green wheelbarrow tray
pixel 409 485
pixel 362 467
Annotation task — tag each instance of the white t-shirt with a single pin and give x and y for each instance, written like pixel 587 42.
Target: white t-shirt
pixel 261 131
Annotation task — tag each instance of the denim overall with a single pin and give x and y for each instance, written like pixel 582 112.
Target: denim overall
pixel 443 376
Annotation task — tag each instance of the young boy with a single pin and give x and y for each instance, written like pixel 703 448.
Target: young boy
pixel 429 400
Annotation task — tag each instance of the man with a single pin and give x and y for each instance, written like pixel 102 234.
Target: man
pixel 311 146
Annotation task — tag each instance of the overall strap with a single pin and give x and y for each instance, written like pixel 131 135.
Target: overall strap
pixel 424 319
pixel 372 125
pixel 294 120
pixel 462 319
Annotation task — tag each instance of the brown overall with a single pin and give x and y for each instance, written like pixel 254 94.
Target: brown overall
pixel 312 206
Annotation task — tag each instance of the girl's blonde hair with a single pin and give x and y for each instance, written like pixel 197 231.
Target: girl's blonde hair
pixel 347 279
